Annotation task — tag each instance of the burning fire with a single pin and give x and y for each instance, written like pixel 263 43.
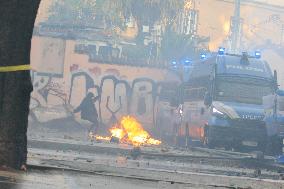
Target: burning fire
pixel 100 137
pixel 130 131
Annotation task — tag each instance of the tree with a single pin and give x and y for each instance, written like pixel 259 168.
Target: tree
pixel 151 11
pixel 145 12
pixel 114 12
pixel 176 46
pixel 73 12
pixel 17 22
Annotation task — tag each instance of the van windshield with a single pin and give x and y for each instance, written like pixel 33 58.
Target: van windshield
pixel 242 90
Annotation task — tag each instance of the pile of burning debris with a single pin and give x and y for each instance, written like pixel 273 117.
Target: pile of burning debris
pixel 128 131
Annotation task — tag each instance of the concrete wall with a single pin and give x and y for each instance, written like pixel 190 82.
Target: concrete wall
pixel 53 86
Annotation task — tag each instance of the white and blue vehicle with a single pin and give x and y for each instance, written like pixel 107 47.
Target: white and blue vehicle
pixel 223 101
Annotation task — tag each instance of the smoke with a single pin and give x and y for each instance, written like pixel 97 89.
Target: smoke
pixel 261 22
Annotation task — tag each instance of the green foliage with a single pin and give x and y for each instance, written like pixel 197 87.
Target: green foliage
pixel 176 46
pixel 73 12
pixel 170 9
pixel 145 13
pixel 114 12
pixel 151 11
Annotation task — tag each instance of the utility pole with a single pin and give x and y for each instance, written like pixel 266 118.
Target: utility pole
pixel 236 28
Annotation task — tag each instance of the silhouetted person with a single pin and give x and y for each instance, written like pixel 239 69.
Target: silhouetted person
pixel 89 112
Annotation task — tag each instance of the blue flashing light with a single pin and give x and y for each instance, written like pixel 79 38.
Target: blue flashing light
pixel 174 63
pixel 221 51
pixel 257 54
pixel 203 56
pixel 186 62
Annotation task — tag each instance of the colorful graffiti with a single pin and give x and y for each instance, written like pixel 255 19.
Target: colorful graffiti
pixel 118 96
pixel 61 86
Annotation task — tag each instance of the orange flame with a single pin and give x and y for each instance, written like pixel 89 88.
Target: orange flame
pixel 129 130
pixel 188 4
pixel 101 138
pixel 117 132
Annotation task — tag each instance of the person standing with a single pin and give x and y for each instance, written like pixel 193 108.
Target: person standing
pixel 89 112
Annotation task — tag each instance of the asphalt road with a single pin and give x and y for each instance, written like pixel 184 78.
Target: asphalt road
pixel 71 164
pixel 70 180
pixel 51 179
pixel 70 161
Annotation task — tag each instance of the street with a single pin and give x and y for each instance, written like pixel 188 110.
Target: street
pixel 122 94
pixel 70 164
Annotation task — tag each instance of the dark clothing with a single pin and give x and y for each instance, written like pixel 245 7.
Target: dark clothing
pixel 94 127
pixel 14 111
pixel 88 109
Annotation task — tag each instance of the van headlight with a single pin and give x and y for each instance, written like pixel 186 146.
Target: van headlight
pixel 218 113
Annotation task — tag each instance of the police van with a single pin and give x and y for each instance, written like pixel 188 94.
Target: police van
pixel 222 101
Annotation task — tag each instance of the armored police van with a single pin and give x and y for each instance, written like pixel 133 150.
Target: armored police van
pixel 222 101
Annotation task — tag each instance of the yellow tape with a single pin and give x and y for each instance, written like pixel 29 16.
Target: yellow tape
pixel 14 68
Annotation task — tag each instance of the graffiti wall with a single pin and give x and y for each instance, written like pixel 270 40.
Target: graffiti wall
pixel 122 89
